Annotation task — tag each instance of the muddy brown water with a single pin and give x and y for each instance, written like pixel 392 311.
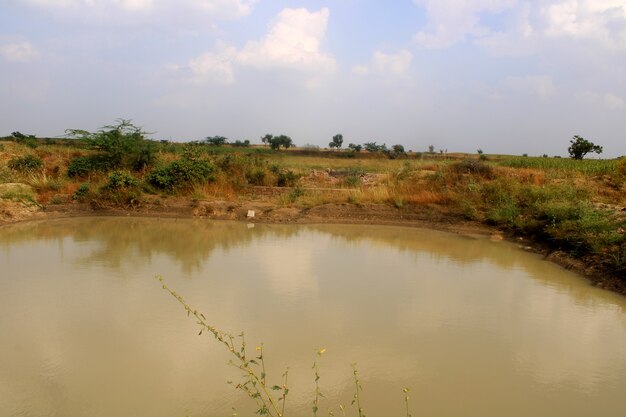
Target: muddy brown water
pixel 473 327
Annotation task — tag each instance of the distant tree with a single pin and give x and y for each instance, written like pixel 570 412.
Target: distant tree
pixel 277 141
pixel 216 140
pixel 431 148
pixel 399 149
pixel 479 151
pixel 580 147
pixel 239 143
pixel 355 148
pixel 374 147
pixel 337 141
pixel 266 139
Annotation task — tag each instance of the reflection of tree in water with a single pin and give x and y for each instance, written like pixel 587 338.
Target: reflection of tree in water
pixel 191 241
pixel 459 249
pixel 119 240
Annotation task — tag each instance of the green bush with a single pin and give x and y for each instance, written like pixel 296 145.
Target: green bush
pixel 81 192
pixel 119 180
pixel 181 174
pixel 26 163
pixel 80 167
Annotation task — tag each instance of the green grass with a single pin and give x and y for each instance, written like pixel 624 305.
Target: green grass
pixel 585 166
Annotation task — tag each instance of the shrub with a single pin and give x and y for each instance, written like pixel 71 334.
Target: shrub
pixel 26 163
pixel 81 192
pixel 256 176
pixel 183 173
pixel 121 180
pixel 79 167
pixel 472 166
pixel 286 178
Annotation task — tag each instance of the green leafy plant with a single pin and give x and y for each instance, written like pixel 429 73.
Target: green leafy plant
pixel 81 192
pixel 27 163
pixel 180 174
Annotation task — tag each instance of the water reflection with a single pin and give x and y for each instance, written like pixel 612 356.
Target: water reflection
pixel 474 327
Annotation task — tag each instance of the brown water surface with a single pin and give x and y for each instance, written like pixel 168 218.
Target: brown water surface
pixel 473 327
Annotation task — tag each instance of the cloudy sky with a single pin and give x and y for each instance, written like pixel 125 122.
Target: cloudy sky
pixel 506 76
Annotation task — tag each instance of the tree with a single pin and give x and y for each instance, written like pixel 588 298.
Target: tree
pixel 337 141
pixel 431 148
pixel 216 140
pixel 580 147
pixel 266 139
pixel 122 145
pixel 374 147
pixel 277 141
pixel 355 148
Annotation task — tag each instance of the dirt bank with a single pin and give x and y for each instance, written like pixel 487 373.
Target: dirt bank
pixel 261 211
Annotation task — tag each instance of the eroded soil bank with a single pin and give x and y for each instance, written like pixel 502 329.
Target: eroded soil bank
pixel 260 211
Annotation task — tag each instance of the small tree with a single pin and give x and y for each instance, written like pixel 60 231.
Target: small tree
pixel 216 140
pixel 123 145
pixel 580 147
pixel 337 141
pixel 355 148
pixel 431 148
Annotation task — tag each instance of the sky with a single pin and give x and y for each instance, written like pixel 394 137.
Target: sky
pixel 503 76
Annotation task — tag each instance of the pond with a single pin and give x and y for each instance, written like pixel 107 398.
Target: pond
pixel 473 327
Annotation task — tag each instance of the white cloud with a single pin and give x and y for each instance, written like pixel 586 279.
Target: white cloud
pixel 389 64
pixel 394 64
pixel 18 52
pixel 98 8
pixel 137 5
pixel 608 101
pixel 293 41
pixel 535 85
pixel 361 70
pixel 613 102
pixel 601 20
pixel 215 66
pixel 232 8
pixel 452 21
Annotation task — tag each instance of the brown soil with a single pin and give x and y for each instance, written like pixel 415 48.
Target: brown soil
pixel 262 211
